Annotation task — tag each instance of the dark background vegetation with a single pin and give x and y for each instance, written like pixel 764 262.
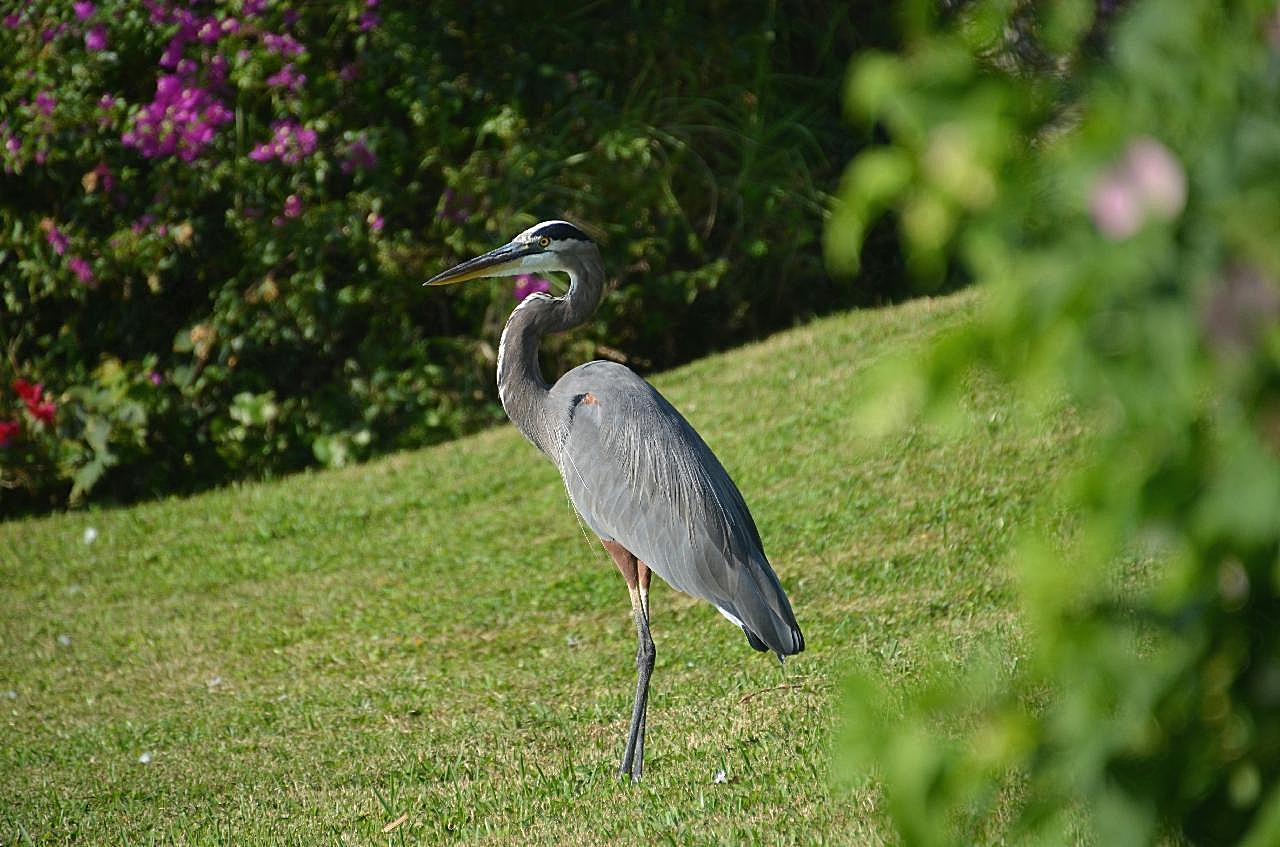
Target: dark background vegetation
pixel 220 338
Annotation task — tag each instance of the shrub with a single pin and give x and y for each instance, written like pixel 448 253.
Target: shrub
pixel 216 216
pixel 1121 208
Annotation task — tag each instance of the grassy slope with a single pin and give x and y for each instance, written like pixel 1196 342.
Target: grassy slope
pixel 432 634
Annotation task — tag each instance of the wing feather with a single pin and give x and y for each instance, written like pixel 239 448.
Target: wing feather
pixel 640 475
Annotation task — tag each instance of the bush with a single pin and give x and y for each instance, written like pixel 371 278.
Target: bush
pixel 216 217
pixel 1121 208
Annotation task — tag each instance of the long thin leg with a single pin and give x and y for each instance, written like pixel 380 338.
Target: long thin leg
pixel 633 755
pixel 642 578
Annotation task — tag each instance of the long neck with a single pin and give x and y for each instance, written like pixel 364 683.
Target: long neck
pixel 521 386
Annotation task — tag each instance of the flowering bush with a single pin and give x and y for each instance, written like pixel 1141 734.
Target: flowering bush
pixel 217 214
pixel 1121 207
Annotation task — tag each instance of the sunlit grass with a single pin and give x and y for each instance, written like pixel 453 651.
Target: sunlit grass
pixel 433 635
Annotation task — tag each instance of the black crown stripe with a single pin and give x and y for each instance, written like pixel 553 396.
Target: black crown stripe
pixel 561 232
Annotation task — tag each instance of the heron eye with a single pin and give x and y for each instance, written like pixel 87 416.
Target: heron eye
pixel 544 242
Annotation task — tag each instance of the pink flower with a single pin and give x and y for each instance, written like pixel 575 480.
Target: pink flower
pixel 156 378
pixel 1148 181
pixel 45 103
pixel 1115 208
pixel 375 221
pixel 8 431
pixel 12 21
pixel 55 237
pixel 96 38
pixel 292 206
pixel 81 269
pixel 527 284
pixel 84 9
pixel 287 77
pixel 33 397
pixel 290 143
pixel 1157 176
pixel 14 144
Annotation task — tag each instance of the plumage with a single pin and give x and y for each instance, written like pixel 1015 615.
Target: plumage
pixel 639 475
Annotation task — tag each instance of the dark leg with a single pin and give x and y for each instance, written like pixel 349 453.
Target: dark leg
pixel 644 662
pixel 631 568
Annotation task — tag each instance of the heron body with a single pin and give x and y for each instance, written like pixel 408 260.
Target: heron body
pixel 639 475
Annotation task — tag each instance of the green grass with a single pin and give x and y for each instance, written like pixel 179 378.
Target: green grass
pixel 432 634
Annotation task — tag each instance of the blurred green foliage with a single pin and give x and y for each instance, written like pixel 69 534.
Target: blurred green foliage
pixel 1118 199
pixel 246 300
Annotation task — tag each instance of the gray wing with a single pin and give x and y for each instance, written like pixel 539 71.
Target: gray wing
pixel 640 475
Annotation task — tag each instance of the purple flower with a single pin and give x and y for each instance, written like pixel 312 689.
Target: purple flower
pixel 45 103
pixel 104 177
pixel 210 31
pixel 13 145
pixel 375 221
pixel 254 7
pixel 12 21
pixel 173 52
pixel 368 20
pixel 453 210
pixel 181 121
pixel 156 377
pixel 287 77
pixel 81 269
pixel 55 237
pixel 84 9
pixel 527 284
pixel 217 70
pixel 358 157
pixel 284 45
pixel 290 143
pixel 96 38
pixel 292 206
pixel 159 12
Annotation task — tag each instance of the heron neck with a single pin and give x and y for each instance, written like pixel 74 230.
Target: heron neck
pixel 524 393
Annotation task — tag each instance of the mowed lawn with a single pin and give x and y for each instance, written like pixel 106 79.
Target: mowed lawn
pixel 432 638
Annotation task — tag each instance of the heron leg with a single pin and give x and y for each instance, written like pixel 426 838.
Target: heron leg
pixel 632 568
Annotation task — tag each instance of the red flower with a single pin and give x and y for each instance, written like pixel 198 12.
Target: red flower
pixel 8 431
pixel 28 392
pixel 33 396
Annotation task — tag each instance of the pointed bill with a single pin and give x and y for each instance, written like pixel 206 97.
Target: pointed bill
pixel 501 262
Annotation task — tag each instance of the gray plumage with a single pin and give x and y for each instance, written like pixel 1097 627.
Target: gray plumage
pixel 639 475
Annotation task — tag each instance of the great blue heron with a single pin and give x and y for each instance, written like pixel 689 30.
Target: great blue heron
pixel 636 471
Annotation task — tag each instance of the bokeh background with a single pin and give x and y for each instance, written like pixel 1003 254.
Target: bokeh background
pixel 216 216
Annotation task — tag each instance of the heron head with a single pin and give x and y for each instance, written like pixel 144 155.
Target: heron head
pixel 542 248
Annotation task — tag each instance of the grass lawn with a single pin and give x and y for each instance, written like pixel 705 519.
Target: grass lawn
pixel 432 635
